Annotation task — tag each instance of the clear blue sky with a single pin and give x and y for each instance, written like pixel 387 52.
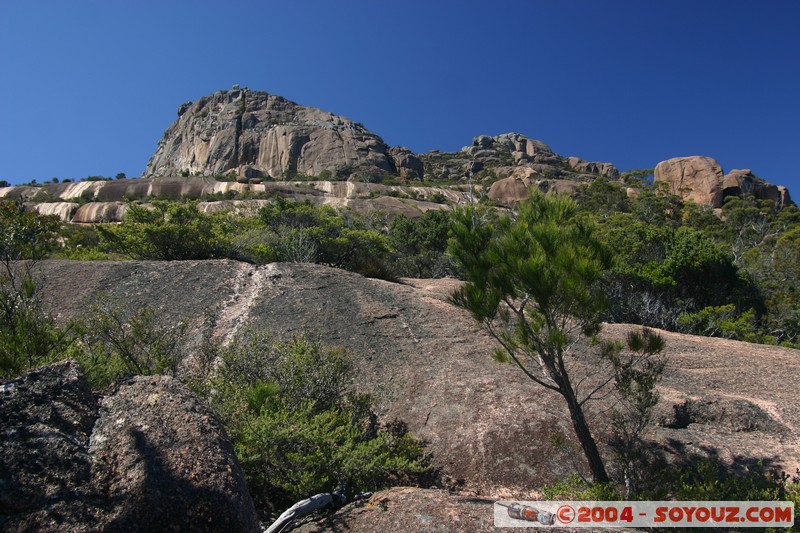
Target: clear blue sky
pixel 88 87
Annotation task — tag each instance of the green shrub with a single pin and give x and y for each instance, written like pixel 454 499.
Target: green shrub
pixel 573 487
pixel 297 424
pixel 306 233
pixel 28 337
pixel 171 231
pixel 706 479
pixel 720 321
pixel 114 342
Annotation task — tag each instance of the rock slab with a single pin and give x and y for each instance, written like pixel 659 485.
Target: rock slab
pixel 427 363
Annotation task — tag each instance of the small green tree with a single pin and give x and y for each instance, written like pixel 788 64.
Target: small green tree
pixel 529 284
pixel 419 244
pixel 636 374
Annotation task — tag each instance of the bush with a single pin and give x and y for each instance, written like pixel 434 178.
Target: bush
pixel 307 233
pixel 172 231
pixel 115 342
pixel 720 321
pixel 419 245
pixel 700 479
pixel 298 426
pixel 28 337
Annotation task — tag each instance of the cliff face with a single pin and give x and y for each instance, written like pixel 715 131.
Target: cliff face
pixel 256 134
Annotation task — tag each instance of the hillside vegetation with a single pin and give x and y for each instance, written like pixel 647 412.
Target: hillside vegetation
pixel 261 408
pixel 676 265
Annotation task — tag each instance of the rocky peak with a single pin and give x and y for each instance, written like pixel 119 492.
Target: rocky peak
pixel 257 134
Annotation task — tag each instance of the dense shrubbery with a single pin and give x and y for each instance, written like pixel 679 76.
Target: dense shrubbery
pixel 282 231
pixel 170 231
pixel 110 342
pixel 682 267
pixel 699 479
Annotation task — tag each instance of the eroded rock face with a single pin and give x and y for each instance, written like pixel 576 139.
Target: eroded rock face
pixel 694 178
pixel 149 457
pixel 109 197
pixel 604 169
pixel 259 134
pixel 408 165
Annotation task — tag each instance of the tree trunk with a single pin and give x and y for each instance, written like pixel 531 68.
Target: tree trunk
pixel 586 440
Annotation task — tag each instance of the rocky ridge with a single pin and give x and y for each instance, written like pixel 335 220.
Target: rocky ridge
pixel 270 145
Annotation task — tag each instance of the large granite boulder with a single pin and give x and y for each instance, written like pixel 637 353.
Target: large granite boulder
pixel 148 457
pixel 45 466
pixel 509 191
pixel 512 190
pixel 694 178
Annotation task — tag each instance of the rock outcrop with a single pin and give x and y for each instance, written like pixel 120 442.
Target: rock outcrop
pixel 694 178
pixel 604 169
pixel 148 457
pixel 256 134
pixel 512 190
pixel 701 180
pixel 738 182
pixel 108 199
pixel 429 365
pixel 408 165
pixel 510 155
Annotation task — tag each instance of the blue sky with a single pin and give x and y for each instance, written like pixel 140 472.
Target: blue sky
pixel 88 87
